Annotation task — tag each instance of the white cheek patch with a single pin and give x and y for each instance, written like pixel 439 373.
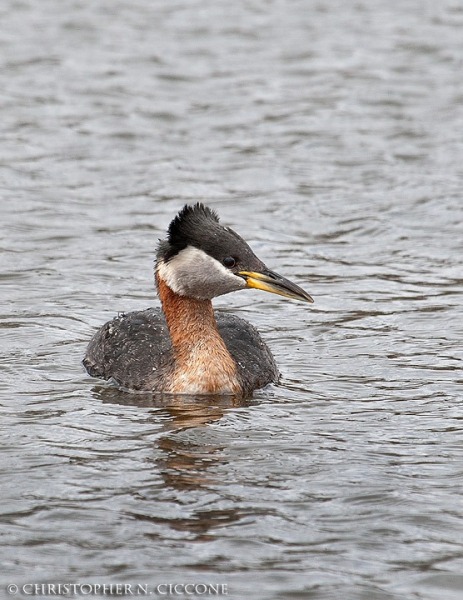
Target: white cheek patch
pixel 195 274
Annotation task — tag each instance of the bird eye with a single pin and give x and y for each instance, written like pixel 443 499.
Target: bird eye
pixel 229 262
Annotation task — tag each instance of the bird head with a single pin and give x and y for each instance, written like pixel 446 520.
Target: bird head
pixel 202 259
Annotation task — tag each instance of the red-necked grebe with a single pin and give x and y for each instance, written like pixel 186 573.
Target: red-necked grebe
pixel 185 348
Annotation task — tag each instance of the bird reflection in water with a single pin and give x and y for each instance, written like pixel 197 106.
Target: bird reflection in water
pixel 184 465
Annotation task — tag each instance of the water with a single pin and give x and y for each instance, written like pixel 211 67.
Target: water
pixel 329 135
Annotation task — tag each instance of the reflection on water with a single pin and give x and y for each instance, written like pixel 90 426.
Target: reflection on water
pixel 186 410
pixel 183 465
pixel 329 135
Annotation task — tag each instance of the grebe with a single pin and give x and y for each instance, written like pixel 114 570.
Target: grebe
pixel 185 348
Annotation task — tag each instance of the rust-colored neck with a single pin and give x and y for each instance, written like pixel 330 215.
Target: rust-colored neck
pixel 202 361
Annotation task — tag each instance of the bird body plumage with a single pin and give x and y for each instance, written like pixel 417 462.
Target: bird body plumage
pixel 144 357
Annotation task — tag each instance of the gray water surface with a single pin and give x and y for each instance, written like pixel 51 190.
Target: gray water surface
pixel 329 135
